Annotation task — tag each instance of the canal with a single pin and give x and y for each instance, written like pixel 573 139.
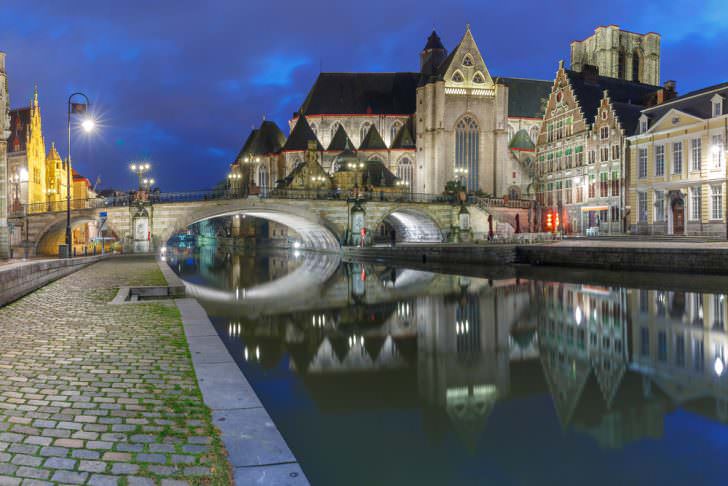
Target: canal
pixel 380 375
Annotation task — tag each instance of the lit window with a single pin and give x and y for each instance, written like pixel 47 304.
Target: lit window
pixel 716 197
pixel 659 160
pixel 478 78
pixel 467 148
pixel 717 108
pixel 717 150
pixel 604 133
pixel 695 154
pixel 468 61
pixel 643 125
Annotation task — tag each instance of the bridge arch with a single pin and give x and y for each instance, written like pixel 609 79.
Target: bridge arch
pixel 412 225
pixel 54 233
pixel 315 231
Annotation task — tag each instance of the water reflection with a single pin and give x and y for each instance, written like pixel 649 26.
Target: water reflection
pixel 614 361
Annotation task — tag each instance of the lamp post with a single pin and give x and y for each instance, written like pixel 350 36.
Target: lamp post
pixel 461 173
pixel 88 126
pixel 140 169
pixel 232 177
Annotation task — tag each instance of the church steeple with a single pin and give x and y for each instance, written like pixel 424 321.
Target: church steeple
pixel 432 55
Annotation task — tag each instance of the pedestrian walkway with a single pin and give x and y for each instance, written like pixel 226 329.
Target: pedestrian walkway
pixel 100 394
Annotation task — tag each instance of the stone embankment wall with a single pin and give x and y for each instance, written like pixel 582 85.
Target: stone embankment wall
pixel 19 279
pixel 477 254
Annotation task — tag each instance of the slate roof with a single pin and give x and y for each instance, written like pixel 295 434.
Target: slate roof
pixel 522 141
pixel 629 116
pixel 362 93
pixel 372 140
pixel 19 126
pixel 247 144
pixel 268 140
pixel 405 138
pixel 299 137
pixel 340 141
pixel 377 174
pixel 589 92
pixel 696 103
pixel 526 97
pixel 433 42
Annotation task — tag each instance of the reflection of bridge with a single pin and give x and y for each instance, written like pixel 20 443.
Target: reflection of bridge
pixel 615 361
pixel 323 220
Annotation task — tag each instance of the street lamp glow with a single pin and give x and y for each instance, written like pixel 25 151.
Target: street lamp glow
pixel 718 366
pixel 88 125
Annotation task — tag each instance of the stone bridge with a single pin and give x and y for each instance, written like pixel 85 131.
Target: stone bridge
pixel 323 224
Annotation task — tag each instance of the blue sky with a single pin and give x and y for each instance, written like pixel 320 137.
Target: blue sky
pixel 182 82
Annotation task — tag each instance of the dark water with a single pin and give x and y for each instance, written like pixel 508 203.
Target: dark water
pixel 387 376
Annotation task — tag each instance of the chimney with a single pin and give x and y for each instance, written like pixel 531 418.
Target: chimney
pixel 670 89
pixel 590 72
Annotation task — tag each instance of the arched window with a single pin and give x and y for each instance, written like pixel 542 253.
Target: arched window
pixel 534 134
pixel 314 129
pixel 393 131
pixel 405 171
pixel 263 178
pixel 334 129
pixel 457 77
pixel 635 66
pixel 363 131
pixel 467 148
pixel 468 60
pixel 478 78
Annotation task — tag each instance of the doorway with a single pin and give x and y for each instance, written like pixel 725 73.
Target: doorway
pixel 678 216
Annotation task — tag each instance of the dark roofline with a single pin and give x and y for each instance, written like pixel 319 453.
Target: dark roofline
pixel 697 92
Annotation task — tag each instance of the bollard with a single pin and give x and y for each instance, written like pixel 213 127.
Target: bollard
pixel 94 250
pixel 74 251
pixel 85 251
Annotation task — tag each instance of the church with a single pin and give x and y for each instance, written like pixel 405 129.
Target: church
pixel 451 121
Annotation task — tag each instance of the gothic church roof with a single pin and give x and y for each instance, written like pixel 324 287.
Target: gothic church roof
pixel 527 98
pixel 340 141
pixel 372 140
pixel 362 93
pixel 522 141
pixel 434 42
pixel 405 138
pixel 300 136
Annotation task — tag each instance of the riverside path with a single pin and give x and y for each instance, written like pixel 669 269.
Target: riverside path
pixel 100 394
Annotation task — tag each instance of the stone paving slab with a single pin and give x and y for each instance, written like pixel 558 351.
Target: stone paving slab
pixel 224 387
pixel 276 475
pixel 92 393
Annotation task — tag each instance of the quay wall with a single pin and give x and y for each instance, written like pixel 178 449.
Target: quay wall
pixel 19 279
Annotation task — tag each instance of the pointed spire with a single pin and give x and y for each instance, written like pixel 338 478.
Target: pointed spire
pixel 35 96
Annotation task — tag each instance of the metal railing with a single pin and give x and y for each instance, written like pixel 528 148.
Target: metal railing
pixel 265 193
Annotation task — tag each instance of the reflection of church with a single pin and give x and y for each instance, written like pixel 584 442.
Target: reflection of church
pixel 614 361
pixel 451 120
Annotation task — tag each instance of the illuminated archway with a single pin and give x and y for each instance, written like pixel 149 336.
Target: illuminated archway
pixel 410 226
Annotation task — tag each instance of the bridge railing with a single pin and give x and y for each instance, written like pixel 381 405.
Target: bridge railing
pixel 20 210
pixel 500 202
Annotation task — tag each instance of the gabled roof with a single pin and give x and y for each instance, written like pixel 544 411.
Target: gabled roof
pixel 247 144
pixel 377 174
pixel 522 142
pixel 372 140
pixel 362 93
pixel 340 141
pixel 266 140
pixel 590 90
pixel 405 138
pixel 527 98
pixel 300 136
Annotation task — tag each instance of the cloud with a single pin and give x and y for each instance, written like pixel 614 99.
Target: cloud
pixel 276 69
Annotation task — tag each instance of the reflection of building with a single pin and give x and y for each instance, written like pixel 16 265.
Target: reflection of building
pixel 678 166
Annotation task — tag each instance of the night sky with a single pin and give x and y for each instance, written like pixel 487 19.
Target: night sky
pixel 180 83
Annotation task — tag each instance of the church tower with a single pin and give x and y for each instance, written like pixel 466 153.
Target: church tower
pixel 619 54
pixel 36 155
pixel 456 115
pixel 4 135
pixel 432 55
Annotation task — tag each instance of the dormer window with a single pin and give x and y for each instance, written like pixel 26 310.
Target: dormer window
pixel 643 124
pixel 717 102
pixel 468 60
pixel 478 78
pixel 457 77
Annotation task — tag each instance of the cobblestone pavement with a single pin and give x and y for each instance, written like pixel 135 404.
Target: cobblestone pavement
pixel 100 394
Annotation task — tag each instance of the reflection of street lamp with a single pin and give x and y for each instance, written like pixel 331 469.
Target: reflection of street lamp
pixel 232 177
pixel 88 125
pixel 403 185
pixel 356 167
pixel 147 184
